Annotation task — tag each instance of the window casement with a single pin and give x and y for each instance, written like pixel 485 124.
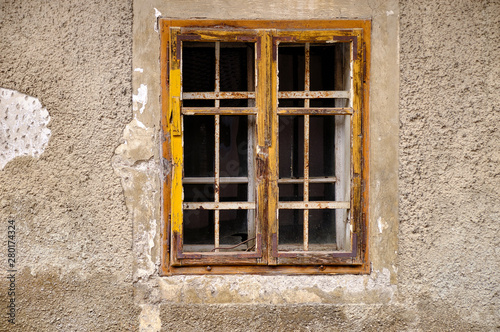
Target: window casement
pixel 265 146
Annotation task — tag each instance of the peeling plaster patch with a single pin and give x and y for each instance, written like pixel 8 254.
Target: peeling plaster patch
pixel 139 70
pixel 157 14
pixel 140 124
pixel 23 126
pixel 140 98
pixel 138 144
pixel 144 245
pixel 149 320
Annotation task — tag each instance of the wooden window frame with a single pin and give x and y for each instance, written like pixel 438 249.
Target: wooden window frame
pixel 266 259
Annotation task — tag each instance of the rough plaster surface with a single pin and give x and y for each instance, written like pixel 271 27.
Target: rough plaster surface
pixel 450 160
pixel 74 233
pixel 23 126
pixel 88 214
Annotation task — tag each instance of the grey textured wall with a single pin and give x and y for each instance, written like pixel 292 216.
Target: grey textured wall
pixel 449 172
pixel 76 239
pixel 73 232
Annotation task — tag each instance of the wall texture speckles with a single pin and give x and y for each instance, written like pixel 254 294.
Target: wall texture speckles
pixel 23 126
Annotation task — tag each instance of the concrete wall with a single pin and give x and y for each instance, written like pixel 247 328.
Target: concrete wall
pixel 85 196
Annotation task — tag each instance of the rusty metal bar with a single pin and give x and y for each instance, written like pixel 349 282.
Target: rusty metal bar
pixel 219 205
pixel 326 179
pixel 217 148
pixel 306 181
pixel 307 74
pixel 211 180
pixel 312 94
pixel 218 95
pixel 312 111
pixel 314 205
pixel 217 179
pixel 217 72
pixel 220 111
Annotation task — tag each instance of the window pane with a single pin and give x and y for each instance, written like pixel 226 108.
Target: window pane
pixel 291 192
pixel 198 192
pixel 233 228
pixel 322 230
pixel 321 191
pixel 198 67
pixel 233 145
pixel 233 192
pixel 330 65
pixel 291 146
pixel 322 146
pixel 198 103
pixel 199 145
pixel 237 61
pixel 291 67
pixel 291 229
pixel 291 103
pixel 198 230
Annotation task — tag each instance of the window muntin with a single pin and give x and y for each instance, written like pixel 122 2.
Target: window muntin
pixel 284 205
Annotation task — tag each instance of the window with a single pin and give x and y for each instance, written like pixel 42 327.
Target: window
pixel 265 146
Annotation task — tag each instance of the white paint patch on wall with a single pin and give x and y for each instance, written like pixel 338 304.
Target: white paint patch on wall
pixel 157 14
pixel 23 126
pixel 140 98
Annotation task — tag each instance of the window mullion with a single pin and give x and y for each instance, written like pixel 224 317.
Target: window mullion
pixel 266 143
pixel 307 85
pixel 176 141
pixel 217 150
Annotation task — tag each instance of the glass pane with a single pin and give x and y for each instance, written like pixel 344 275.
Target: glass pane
pixel 198 230
pixel 198 192
pixel 324 102
pixel 237 102
pixel 237 61
pixel 291 103
pixel 233 192
pixel 198 103
pixel 322 146
pixel 291 146
pixel 330 65
pixel 233 145
pixel 291 66
pixel 198 67
pixel 291 229
pixel 233 228
pixel 291 192
pixel 321 192
pixel 322 230
pixel 199 145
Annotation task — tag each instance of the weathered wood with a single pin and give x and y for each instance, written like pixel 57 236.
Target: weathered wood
pixel 176 148
pixel 266 174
